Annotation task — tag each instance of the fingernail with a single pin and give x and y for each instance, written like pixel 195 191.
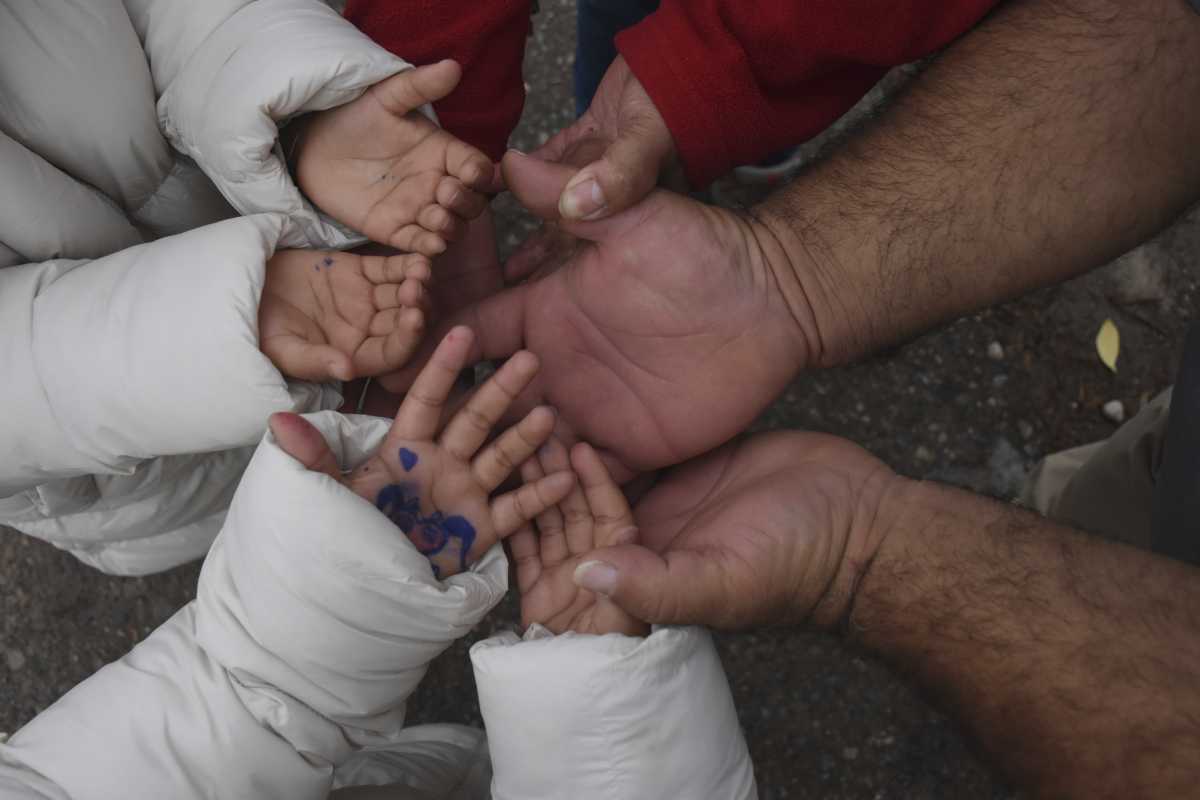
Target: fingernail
pixel 596 576
pixel 582 200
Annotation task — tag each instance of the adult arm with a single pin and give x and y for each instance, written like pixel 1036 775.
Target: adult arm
pixel 1072 661
pixel 1056 136
pixel 706 86
pixel 734 86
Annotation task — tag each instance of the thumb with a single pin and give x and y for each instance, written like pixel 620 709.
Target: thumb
pixel 626 173
pixel 678 587
pixel 413 88
pixel 298 438
pixel 538 185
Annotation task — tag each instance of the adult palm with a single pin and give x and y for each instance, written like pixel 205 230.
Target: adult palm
pixel 769 529
pixel 665 333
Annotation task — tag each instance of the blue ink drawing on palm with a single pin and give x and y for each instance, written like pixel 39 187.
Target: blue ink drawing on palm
pixel 408 459
pixel 401 503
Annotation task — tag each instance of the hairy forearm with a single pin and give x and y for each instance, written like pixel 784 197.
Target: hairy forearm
pixel 1057 135
pixel 1074 662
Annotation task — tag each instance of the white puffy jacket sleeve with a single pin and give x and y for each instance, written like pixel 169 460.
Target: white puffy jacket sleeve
pixel 229 72
pixel 315 619
pixel 152 351
pixel 610 717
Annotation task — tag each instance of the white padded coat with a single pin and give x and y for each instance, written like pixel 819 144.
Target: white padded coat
pixel 132 132
pixel 315 620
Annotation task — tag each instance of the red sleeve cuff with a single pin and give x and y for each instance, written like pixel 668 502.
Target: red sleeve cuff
pixel 705 91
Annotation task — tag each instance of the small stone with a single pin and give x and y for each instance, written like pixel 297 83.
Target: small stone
pixel 999 380
pixel 924 454
pixel 15 659
pixel 1025 428
pixel 849 753
pixel 1114 410
pixel 995 351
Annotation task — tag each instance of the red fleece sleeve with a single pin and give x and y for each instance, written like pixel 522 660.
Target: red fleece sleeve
pixel 736 81
pixel 486 36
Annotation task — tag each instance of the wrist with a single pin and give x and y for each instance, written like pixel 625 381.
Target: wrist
pixel 812 271
pixel 870 527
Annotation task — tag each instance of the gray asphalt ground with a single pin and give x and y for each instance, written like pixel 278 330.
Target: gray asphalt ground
pixel 822 720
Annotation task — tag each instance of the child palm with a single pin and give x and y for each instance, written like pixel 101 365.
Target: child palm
pixel 435 482
pixel 379 166
pixel 593 514
pixel 326 315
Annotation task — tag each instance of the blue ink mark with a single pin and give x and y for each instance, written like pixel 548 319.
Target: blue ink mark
pixel 401 503
pixel 408 459
pixel 328 262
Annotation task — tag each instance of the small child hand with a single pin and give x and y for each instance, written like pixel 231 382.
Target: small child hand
pixel 433 480
pixel 594 514
pixel 379 166
pixel 330 315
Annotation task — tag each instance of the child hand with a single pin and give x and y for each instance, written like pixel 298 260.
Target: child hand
pixel 379 166
pixel 594 514
pixel 437 490
pixel 330 315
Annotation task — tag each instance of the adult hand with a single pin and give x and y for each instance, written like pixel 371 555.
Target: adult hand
pixel 673 326
pixel 774 528
pixel 635 147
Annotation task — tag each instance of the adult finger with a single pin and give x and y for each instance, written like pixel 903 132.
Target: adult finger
pixel 679 587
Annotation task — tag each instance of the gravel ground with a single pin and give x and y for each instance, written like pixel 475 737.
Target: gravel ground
pixel 822 720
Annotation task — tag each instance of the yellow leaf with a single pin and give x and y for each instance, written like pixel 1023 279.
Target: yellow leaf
pixel 1108 344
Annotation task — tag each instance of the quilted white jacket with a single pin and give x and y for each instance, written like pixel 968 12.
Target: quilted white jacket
pixel 314 621
pixel 132 383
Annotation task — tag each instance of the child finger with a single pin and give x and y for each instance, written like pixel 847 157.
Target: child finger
pixel 298 358
pixel 395 295
pixel 392 350
pixel 398 268
pixel 513 448
pixel 470 166
pixel 420 412
pixel 440 221
pixel 471 426
pixel 297 437
pixel 458 199
pixel 516 508
pixel 523 547
pixel 414 238
pixel 577 516
pixel 552 539
pixel 613 517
